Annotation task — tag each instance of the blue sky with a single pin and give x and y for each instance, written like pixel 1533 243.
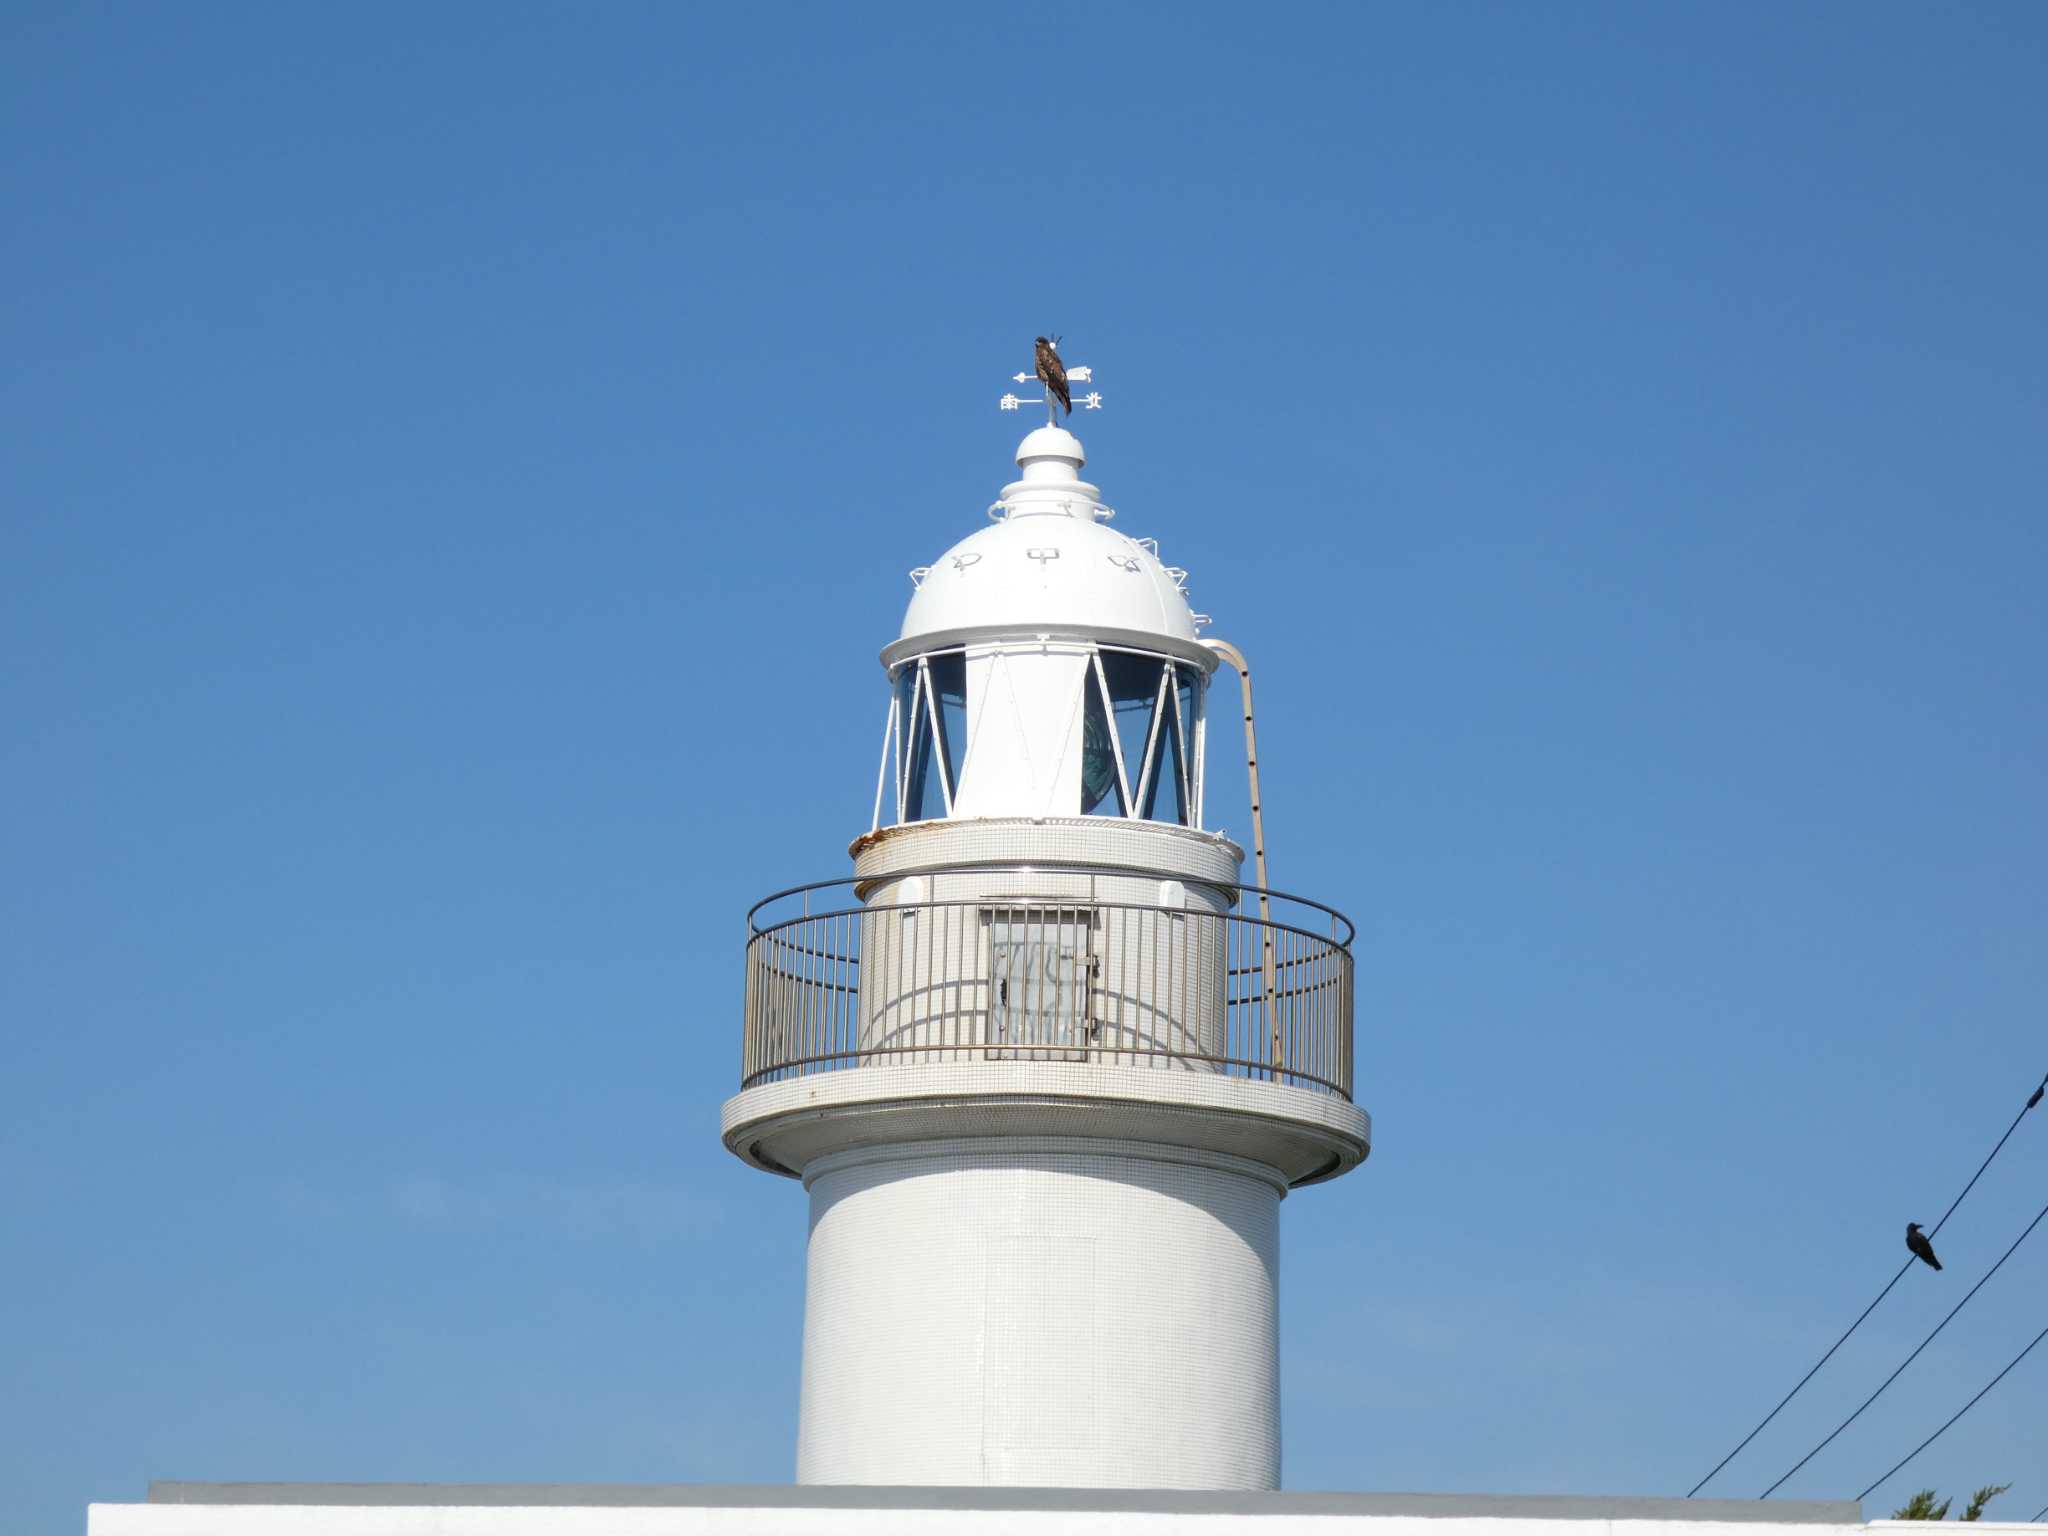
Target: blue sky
pixel 463 461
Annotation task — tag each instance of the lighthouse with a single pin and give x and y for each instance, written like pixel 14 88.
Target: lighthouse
pixel 1046 1065
pixel 1045 1062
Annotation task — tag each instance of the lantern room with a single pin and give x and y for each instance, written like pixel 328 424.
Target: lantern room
pixel 1048 666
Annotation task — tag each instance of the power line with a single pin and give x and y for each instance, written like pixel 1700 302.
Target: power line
pixel 1823 1360
pixel 1910 1358
pixel 1994 1381
pixel 1895 1279
pixel 2043 1510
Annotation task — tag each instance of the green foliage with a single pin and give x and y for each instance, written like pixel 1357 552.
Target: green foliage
pixel 1922 1506
pixel 1982 1497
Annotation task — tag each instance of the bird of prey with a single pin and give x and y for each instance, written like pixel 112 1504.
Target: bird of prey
pixel 1923 1250
pixel 1053 373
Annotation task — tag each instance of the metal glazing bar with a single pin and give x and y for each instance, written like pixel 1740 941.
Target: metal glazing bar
pixel 882 768
pixel 1140 807
pixel 1180 733
pixel 931 704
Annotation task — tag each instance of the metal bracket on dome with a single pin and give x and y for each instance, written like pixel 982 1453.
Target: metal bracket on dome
pixel 917 576
pixel 998 511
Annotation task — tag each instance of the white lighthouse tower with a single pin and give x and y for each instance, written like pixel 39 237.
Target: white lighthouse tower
pixel 1045 1066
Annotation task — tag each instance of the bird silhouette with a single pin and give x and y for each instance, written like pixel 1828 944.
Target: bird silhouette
pixel 1923 1250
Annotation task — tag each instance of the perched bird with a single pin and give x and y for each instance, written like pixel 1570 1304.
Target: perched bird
pixel 1923 1250
pixel 1053 373
pixel 2037 1093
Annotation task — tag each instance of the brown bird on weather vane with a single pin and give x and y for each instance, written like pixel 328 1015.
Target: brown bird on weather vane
pixel 1058 380
pixel 1053 373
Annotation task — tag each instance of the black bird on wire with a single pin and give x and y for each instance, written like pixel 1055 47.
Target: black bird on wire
pixel 1053 373
pixel 1923 1250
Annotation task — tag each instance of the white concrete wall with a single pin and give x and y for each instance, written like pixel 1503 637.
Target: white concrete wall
pixel 1041 1312
pixel 437 1520
pixel 1023 749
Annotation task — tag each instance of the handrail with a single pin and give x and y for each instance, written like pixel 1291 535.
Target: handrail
pixel 997 866
pixel 1092 903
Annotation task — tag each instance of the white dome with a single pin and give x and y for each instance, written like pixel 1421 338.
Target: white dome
pixel 1050 566
pixel 1040 573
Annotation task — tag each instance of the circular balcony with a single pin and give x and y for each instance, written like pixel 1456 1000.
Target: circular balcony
pixel 1098 1006
pixel 1226 981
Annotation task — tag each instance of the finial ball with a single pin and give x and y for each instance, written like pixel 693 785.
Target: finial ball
pixel 1052 443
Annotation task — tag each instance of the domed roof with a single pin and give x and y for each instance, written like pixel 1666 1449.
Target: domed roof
pixel 1051 564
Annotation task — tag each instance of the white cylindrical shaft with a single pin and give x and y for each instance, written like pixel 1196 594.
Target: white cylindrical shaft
pixel 1041 1311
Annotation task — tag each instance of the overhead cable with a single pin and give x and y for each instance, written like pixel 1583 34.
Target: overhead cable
pixel 1910 1358
pixel 1895 1279
pixel 1994 1381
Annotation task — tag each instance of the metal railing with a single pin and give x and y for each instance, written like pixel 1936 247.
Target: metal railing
pixel 834 984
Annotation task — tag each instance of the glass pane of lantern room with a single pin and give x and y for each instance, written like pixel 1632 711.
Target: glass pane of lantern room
pixel 1163 798
pixel 923 800
pixel 1102 793
pixel 1133 690
pixel 949 691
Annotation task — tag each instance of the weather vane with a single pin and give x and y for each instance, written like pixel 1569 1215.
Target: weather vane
pixel 1056 376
